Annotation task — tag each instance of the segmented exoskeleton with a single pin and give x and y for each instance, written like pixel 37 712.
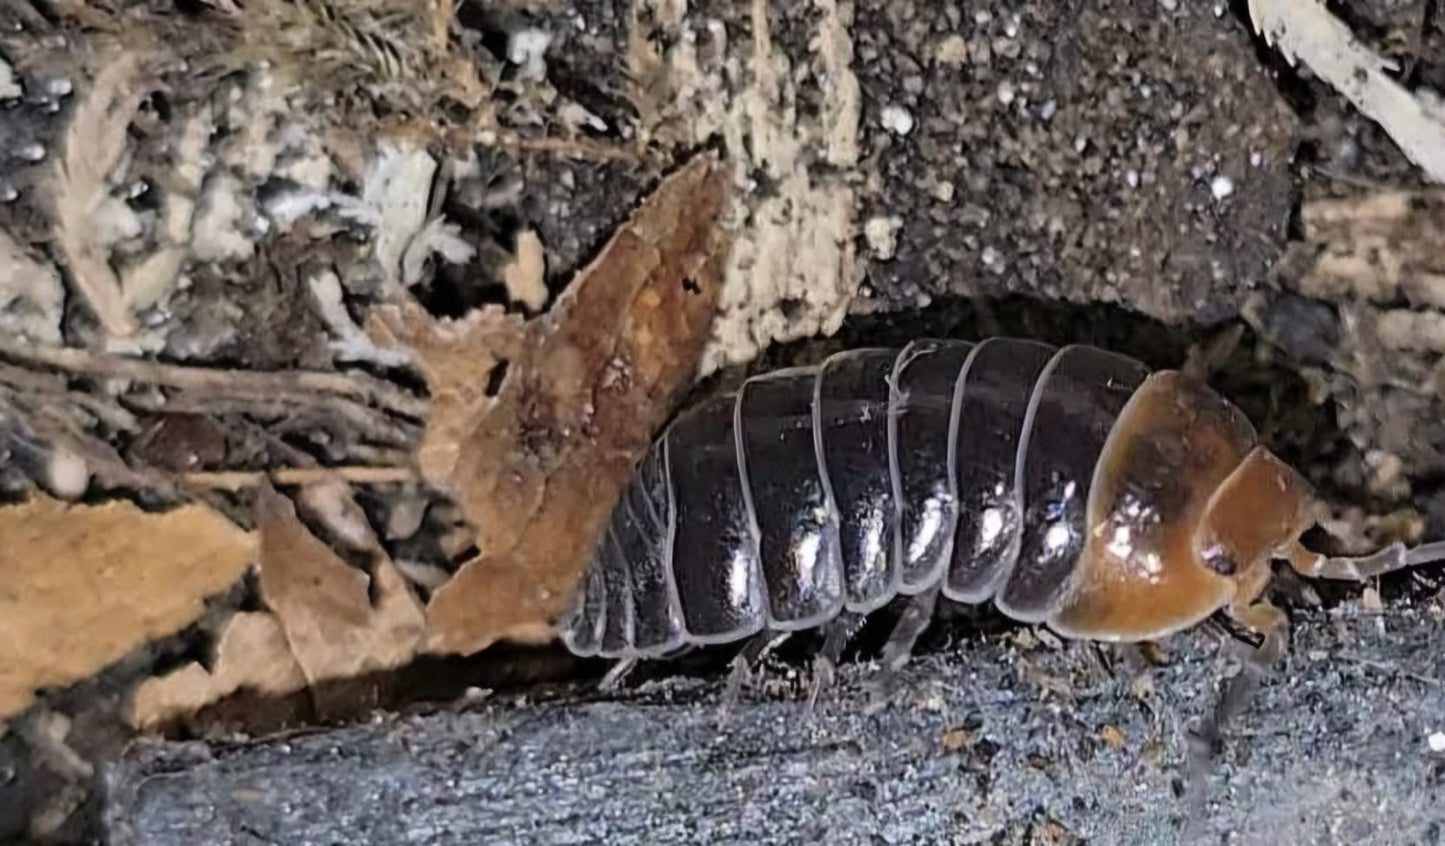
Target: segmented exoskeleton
pixel 1070 487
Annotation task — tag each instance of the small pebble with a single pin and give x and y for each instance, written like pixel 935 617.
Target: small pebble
pixel 1437 741
pixel 528 48
pixel 882 235
pixel 897 120
pixel 67 474
pixel 9 88
pixel 1006 93
pixel 1221 186
pixel 953 50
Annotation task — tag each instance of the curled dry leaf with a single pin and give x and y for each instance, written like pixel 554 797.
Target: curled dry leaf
pixel 81 585
pixel 322 623
pixel 251 652
pixel 537 468
pixel 324 604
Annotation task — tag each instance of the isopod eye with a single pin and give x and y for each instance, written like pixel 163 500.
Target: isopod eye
pixel 1218 559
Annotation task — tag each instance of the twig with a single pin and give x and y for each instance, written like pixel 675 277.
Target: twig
pixel 233 480
pixel 572 148
pixel 47 424
pixel 263 383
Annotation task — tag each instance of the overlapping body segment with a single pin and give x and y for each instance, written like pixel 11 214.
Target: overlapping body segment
pixel 1066 486
pixel 793 518
pixel 850 411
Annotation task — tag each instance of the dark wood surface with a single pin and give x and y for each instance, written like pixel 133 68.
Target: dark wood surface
pixel 997 739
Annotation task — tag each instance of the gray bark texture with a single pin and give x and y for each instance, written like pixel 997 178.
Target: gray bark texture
pixel 998 739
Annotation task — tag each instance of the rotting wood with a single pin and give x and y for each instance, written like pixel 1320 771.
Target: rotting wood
pixel 234 480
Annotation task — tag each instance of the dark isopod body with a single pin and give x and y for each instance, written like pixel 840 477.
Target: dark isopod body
pixel 1068 486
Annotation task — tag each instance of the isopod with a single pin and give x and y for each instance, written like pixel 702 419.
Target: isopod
pixel 1070 487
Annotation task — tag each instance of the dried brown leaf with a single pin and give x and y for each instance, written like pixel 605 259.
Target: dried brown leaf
pixel 251 652
pixel 324 604
pixel 537 471
pixel 455 357
pixel 323 625
pixel 81 585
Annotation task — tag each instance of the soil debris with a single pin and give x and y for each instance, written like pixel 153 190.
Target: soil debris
pixel 31 296
pixel 525 275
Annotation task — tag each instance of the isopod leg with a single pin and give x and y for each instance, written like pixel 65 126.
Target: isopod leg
pixel 915 619
pixel 617 675
pixel 899 648
pixel 1209 357
pixel 752 654
pixel 1271 622
pixel 836 636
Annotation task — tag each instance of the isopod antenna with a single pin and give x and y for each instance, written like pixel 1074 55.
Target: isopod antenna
pixel 1396 556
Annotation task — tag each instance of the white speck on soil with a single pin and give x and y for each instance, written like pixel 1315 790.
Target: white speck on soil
pixel 1221 187
pixel 897 120
pixel 528 48
pixel 9 88
pixel 882 235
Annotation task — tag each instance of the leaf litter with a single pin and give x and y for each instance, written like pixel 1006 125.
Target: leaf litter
pixel 534 466
pixel 164 238
pixel 323 623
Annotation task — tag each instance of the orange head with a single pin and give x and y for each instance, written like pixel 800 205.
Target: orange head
pixel 1185 513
